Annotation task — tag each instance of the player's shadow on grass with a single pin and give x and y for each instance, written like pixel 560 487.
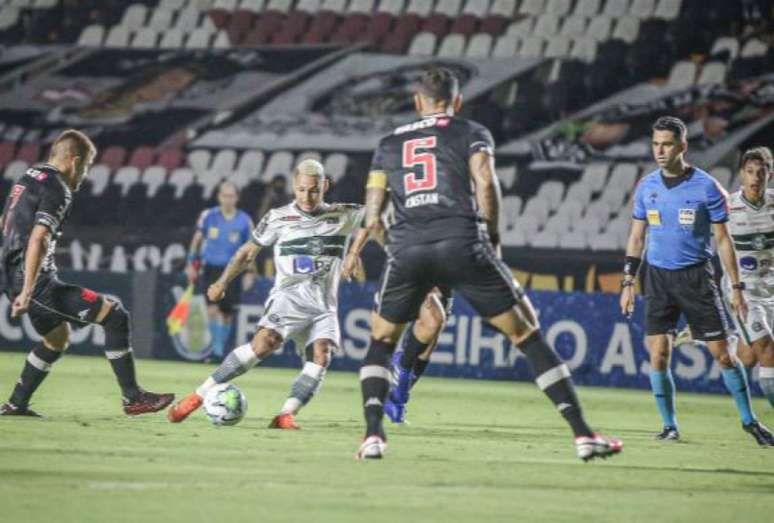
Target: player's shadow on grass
pixel 694 470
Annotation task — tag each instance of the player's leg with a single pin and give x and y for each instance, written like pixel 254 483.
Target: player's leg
pixel 306 385
pixel 764 351
pixel 36 368
pixel 214 321
pixel 225 309
pixel 759 346
pixel 238 362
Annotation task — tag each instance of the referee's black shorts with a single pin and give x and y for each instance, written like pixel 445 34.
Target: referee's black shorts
pixel 230 302
pixel 692 291
pixel 467 265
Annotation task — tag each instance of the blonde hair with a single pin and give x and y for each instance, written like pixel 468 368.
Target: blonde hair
pixel 310 167
pixel 76 143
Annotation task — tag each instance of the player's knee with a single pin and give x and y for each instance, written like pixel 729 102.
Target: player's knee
pixel 431 320
pixel 59 339
pixel 266 341
pixel 321 353
pixel 766 358
pixel 724 359
pixel 117 327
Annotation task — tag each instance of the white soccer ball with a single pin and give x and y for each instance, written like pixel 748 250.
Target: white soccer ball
pixel 225 404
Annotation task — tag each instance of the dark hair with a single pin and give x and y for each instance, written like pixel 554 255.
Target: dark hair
pixel 77 143
pixel 761 154
pixel 674 124
pixel 439 83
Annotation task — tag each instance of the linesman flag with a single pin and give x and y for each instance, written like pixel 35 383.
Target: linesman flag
pixel 178 317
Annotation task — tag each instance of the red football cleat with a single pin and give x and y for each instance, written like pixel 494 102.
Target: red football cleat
pixel 184 407
pixel 597 446
pixel 284 421
pixel 147 402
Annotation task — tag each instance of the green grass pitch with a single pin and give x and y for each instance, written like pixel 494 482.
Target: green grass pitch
pixel 474 452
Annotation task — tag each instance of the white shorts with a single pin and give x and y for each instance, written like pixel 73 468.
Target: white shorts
pixel 760 316
pixel 301 324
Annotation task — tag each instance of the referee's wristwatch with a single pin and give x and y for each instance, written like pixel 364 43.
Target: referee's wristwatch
pixel 739 286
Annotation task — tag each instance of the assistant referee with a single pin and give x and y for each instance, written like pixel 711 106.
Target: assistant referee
pixel 683 207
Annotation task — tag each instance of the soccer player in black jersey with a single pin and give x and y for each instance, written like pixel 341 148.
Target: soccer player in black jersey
pixel 35 210
pixel 442 183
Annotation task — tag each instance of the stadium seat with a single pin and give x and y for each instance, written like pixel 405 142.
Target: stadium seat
pixel 125 177
pixel 28 152
pixel 532 7
pixel 506 46
pixel 683 74
pixel 546 26
pixel 172 39
pixel 142 157
pixel 92 36
pixel 624 175
pixel 722 175
pixel 642 9
pixel 558 7
pixel 504 8
pixel 187 20
pixel 627 28
pixel 450 8
pixel 256 6
pixel 532 47
pixel 284 6
pixel 222 41
pixel 578 193
pixel 134 17
pixel 528 224
pixel 280 163
pixel 251 164
pixel 228 5
pixel 423 44
pixel 537 207
pixel 507 176
pixel 15 169
pixel 7 150
pixel 595 176
pixel 573 27
pixel 600 28
pixel 336 166
pixel 201 5
pixel 668 9
pixel 117 37
pixel 712 73
pixel 521 27
pixel 754 47
pixel 514 238
pixel 600 210
pixel 113 156
pixel 170 158
pixel 557 47
pixel 477 8
pixel 181 179
pixel 392 7
pixel 573 240
pixel 224 162
pixel 545 240
pixel 161 19
pixel 480 46
pixel 452 46
pixel 198 39
pixel 199 160
pixel 145 38
pixel 552 192
pixel 9 17
pixel 587 8
pixel 172 5
pixel 308 6
pixel 614 195
pixel 604 242
pixel 725 48
pixel 154 177
pixel 99 176
pixel 365 7
pixel 616 8
pixel 420 7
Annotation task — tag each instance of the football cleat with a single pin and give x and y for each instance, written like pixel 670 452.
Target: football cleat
pixel 373 447
pixel 9 409
pixel 284 421
pixel 146 402
pixel 400 393
pixel 760 432
pixel 597 446
pixel 395 411
pixel 669 434
pixel 184 408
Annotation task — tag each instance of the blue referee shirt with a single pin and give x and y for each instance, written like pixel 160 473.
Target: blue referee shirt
pixel 222 237
pixel 679 218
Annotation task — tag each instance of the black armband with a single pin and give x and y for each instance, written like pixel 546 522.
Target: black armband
pixel 631 266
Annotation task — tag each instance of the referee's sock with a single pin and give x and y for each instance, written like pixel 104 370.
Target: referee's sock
pixel 766 381
pixel 553 377
pixel 36 368
pixel 375 385
pixel 736 383
pixel 663 386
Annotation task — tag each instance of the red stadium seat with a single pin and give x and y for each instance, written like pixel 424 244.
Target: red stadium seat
pixel 313 37
pixel 437 24
pixel 220 18
pixel 379 26
pixel 142 157
pixel 407 24
pixel 268 24
pixel 465 24
pixel 114 157
pixel 296 23
pixel 324 23
pixel 170 158
pixel 353 25
pixel 283 37
pixel 7 150
pixel 396 43
pixel 29 152
pixel 494 25
pixel 241 22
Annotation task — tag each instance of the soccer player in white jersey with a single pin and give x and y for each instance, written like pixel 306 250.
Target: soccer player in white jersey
pixel 310 239
pixel 752 228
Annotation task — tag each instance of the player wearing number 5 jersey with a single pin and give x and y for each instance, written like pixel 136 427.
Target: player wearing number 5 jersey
pixel 440 175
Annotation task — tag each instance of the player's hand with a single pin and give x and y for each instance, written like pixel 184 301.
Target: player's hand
pixel 352 266
pixel 627 301
pixel 21 304
pixel 216 291
pixel 191 273
pixel 739 304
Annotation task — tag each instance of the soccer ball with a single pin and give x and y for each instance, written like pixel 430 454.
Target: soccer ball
pixel 225 404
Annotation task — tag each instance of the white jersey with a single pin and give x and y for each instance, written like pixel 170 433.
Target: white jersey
pixel 752 229
pixel 308 251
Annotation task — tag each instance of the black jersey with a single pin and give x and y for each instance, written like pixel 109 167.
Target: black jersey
pixel 39 197
pixel 431 189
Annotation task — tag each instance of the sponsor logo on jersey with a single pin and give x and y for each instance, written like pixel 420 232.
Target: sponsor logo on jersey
pixel 293 218
pixel 443 122
pixel 39 175
pixel 654 217
pixel 687 216
pixel 303 265
pixel 748 263
pixel 422 124
pixel 332 220
pixel 422 199
pixel 757 326
pixel 759 242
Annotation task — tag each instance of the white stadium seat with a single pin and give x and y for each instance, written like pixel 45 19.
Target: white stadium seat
pixel 154 177
pixel 198 39
pixel 450 8
pixel 507 176
pixel 92 36
pixel 15 169
pixel 393 7
pixel 280 163
pixel 125 177
pixel 199 160
pixel 627 28
pixel 616 8
pixel 532 7
pixel 255 6
pixel 181 178
pixel 480 46
pixel 134 17
pixel 283 6
pixel 587 8
pixel 683 74
pixel 727 44
pixel 187 20
pixel 642 9
pixel 251 163
pixel 452 46
pixel 558 46
pixel 532 47
pixel 99 176
pixel 558 7
pixel 506 46
pixel 117 37
pixel 477 8
pixel 600 28
pixel 161 19
pixel 574 27
pixel 423 44
pixel 584 49
pixel 419 7
pixel 546 26
pixel 668 9
pixel 754 48
pixel 336 166
pixel 145 38
pixel 172 39
pixel 712 73
pixel 361 6
pixel 521 27
pixel 504 8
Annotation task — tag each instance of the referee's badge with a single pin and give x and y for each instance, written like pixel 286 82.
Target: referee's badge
pixel 654 217
pixel 212 233
pixel 687 216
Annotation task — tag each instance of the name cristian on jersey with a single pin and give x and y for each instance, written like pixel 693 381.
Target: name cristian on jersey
pixel 416 157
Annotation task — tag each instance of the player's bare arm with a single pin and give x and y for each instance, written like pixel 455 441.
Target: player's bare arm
pixel 352 263
pixel 37 246
pixel 488 195
pixel 236 265
pixel 727 253
pixel 634 249
pixel 194 248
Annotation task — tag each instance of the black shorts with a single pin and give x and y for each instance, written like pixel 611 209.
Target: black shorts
pixel 467 265
pixel 692 291
pixel 55 302
pixel 230 301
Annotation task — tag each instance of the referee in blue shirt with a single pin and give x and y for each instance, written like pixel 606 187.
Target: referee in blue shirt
pixel 220 231
pixel 683 207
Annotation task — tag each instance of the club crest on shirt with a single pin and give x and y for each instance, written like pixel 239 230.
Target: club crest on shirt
pixel 316 246
pixel 759 242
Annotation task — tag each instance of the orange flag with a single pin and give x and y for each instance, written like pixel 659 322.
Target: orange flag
pixel 178 317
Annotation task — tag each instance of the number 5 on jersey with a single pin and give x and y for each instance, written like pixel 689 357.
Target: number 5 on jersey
pixel 412 158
